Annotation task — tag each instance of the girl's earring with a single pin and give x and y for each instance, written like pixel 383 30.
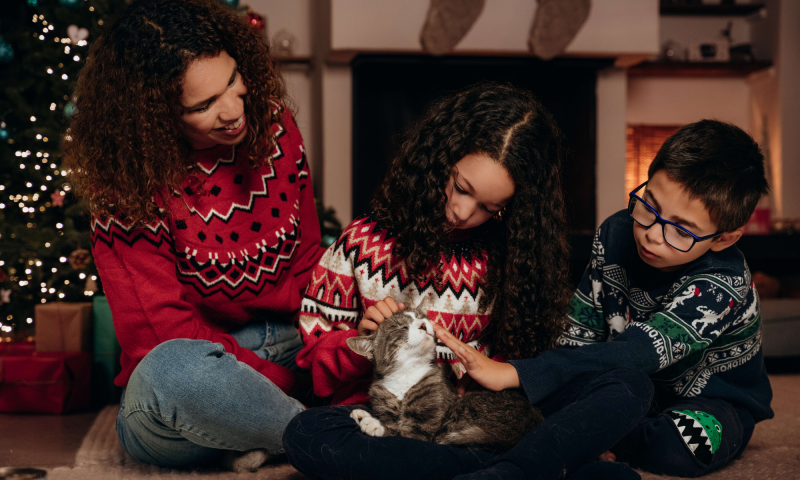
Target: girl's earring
pixel 498 217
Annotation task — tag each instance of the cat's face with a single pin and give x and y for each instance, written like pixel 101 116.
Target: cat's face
pixel 404 335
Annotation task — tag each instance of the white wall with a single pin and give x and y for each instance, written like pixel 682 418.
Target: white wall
pixel 678 101
pixel 611 142
pixel 613 26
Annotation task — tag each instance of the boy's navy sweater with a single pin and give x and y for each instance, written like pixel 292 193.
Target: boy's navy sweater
pixel 695 332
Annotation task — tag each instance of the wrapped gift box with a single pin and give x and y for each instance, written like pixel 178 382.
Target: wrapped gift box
pixel 17 348
pixel 64 327
pixel 45 382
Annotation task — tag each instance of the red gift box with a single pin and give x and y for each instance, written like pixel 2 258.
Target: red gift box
pixel 45 382
pixel 17 348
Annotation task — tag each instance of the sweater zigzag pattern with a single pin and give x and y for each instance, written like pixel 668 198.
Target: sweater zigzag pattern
pixel 361 269
pixel 238 244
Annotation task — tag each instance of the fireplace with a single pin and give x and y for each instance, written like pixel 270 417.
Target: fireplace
pixel 390 92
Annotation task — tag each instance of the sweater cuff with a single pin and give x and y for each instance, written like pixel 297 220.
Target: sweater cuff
pixel 535 378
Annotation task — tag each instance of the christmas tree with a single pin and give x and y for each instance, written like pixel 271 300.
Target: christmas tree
pixel 44 231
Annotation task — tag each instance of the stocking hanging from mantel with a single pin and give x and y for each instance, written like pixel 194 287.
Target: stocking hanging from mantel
pixel 447 22
pixel 555 24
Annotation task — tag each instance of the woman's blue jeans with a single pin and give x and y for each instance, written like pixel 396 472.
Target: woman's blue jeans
pixel 188 400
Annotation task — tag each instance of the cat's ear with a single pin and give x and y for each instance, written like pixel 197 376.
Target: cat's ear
pixel 362 345
pixel 420 311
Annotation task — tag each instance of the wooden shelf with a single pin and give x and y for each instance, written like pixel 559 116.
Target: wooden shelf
pixel 712 10
pixel 294 59
pixel 697 69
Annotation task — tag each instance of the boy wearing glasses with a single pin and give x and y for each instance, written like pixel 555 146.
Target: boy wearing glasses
pixel 669 375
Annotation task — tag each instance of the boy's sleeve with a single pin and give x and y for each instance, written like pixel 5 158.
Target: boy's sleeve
pixel 328 317
pixel 698 314
pixel 586 322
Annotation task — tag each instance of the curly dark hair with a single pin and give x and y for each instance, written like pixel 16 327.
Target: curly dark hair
pixel 527 281
pixel 126 144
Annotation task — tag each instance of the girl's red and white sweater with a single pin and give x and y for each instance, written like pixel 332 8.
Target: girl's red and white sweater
pixel 359 270
pixel 239 245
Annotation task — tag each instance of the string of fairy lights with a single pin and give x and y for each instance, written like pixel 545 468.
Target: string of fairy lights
pixel 40 160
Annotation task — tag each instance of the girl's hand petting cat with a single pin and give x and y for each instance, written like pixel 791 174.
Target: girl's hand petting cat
pixel 376 314
pixel 487 372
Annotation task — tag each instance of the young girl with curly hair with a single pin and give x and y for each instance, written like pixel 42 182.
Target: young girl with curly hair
pixel 204 228
pixel 469 224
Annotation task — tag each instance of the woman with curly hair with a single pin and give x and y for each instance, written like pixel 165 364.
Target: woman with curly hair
pixel 469 224
pixel 204 228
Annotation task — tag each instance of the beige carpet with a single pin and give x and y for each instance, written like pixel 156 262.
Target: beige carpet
pixel 773 453
pixel 101 457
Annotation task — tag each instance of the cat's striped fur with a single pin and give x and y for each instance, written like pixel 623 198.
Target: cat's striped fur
pixel 412 397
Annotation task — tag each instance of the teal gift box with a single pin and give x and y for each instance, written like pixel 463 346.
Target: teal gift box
pixel 106 355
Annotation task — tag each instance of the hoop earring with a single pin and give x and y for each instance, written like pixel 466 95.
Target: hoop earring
pixel 498 217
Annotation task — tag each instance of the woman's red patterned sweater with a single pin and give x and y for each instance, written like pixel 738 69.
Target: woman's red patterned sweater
pixel 241 245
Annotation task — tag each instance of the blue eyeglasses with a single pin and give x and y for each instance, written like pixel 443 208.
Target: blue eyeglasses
pixel 676 236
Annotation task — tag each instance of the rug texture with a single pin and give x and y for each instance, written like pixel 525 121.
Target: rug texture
pixel 101 457
pixel 773 453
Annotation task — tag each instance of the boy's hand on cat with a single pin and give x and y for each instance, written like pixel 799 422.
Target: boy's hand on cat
pixel 376 314
pixel 487 372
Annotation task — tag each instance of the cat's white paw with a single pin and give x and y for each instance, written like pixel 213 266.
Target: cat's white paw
pixel 368 424
pixel 359 414
pixel 372 427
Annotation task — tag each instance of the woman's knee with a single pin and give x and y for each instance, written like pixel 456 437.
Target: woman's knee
pixel 176 363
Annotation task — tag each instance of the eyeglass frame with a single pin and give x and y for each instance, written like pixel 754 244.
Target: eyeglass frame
pixel 632 195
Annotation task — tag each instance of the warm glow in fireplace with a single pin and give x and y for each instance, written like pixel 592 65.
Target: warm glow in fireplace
pixel 643 144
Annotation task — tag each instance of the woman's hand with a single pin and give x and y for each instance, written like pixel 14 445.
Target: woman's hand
pixel 487 372
pixel 376 314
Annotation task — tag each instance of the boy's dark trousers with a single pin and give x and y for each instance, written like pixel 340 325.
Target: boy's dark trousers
pixel 667 442
pixel 584 419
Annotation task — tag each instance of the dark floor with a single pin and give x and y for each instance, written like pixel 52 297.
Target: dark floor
pixel 42 440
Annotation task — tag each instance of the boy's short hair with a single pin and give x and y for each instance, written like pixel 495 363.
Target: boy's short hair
pixel 718 163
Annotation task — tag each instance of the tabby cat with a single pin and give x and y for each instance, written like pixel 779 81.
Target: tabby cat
pixel 412 397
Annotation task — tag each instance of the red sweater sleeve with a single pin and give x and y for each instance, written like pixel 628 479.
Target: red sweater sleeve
pixel 328 317
pixel 147 304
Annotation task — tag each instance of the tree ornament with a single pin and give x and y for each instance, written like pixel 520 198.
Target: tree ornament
pixel 69 110
pixel 70 4
pixel 33 3
pixel 231 3
pixel 255 21
pixel 5 295
pixel 57 198
pixel 79 259
pixel 76 34
pixel 2 276
pixel 4 135
pixel 6 51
